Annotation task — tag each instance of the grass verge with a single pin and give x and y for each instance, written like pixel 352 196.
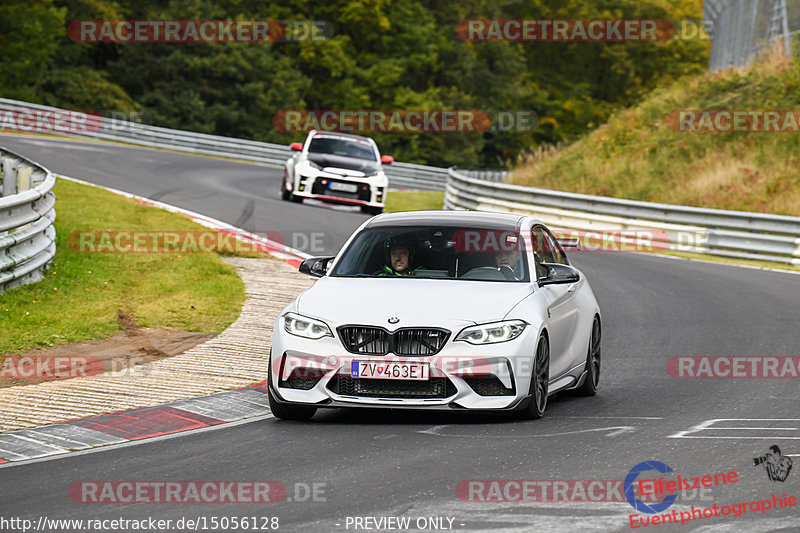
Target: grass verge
pixel 413 201
pixel 88 296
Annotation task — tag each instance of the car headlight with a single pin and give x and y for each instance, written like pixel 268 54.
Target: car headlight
pixel 303 326
pixel 492 333
pixel 313 164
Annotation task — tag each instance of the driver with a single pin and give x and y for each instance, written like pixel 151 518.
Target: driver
pixel 399 256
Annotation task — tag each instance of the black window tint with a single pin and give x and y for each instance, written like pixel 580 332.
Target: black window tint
pixel 332 146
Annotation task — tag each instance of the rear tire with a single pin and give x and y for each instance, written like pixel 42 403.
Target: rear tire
pixel 287 411
pixel 589 387
pixel 540 382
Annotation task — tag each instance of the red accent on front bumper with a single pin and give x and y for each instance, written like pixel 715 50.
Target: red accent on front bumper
pixel 336 199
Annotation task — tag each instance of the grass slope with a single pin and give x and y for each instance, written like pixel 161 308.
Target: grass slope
pixel 637 155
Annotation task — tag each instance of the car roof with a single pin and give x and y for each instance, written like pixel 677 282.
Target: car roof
pixel 507 221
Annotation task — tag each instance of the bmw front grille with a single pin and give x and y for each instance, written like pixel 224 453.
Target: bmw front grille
pixel 370 340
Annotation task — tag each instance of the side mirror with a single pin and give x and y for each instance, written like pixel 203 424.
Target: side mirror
pixel 315 266
pixel 387 159
pixel 572 243
pixel 558 274
pixel 297 147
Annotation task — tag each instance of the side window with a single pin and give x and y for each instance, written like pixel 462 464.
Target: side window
pixel 542 250
pixel 558 254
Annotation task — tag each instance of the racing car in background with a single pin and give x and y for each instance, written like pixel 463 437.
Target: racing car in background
pixel 337 168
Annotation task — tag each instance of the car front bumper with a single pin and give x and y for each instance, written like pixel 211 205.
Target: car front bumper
pixel 366 191
pixel 462 376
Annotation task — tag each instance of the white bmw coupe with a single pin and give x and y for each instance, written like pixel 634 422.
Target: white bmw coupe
pixel 438 310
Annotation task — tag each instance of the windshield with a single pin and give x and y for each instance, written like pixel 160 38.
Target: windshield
pixel 342 146
pixel 442 252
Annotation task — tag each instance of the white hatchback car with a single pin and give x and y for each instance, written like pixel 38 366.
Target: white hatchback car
pixel 438 310
pixel 337 168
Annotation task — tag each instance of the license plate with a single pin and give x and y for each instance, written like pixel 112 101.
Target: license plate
pixel 346 187
pixel 381 370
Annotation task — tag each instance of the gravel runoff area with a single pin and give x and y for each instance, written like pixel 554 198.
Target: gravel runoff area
pixel 238 357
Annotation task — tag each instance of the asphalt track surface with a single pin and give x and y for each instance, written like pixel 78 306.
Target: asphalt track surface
pixel 244 195
pixel 384 463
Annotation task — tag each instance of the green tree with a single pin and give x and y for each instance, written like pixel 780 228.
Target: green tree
pixel 30 33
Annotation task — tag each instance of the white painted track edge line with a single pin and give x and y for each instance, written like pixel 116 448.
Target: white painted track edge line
pixel 102 448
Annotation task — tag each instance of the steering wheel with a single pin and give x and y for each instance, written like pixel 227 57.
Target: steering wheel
pixel 508 272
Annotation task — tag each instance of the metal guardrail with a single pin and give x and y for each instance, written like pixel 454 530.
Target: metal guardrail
pixel 485 175
pixel 53 120
pixel 742 29
pixel 736 234
pixel 27 235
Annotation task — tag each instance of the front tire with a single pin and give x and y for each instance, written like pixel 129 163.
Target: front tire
pixel 287 411
pixel 285 194
pixel 540 382
pixel 589 387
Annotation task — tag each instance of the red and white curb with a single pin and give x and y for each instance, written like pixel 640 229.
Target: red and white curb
pixel 133 425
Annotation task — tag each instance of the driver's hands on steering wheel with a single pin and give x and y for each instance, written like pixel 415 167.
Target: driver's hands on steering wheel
pixel 508 272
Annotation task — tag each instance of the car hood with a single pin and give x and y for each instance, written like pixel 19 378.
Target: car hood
pixel 416 302
pixel 346 163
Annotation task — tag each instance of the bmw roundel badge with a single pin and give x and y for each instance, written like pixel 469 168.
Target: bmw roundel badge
pixel 393 320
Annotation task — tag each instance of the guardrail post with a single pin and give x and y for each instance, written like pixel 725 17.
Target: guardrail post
pixel 9 176
pixel 37 177
pixel 23 177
